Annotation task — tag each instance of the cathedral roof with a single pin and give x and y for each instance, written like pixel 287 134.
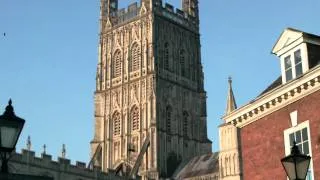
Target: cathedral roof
pixel 200 166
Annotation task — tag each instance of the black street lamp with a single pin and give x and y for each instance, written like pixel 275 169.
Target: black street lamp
pixel 296 164
pixel 10 129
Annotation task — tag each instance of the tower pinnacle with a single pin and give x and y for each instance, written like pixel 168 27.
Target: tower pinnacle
pixel 231 102
pixel 29 143
pixel 63 151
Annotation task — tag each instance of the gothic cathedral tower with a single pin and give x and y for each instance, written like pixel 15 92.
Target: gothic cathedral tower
pixel 149 83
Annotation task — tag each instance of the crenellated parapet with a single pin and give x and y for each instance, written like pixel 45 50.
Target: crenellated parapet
pixel 28 163
pixel 126 14
pixel 114 17
pixel 178 16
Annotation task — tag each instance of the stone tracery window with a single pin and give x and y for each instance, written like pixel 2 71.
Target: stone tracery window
pixel 116 66
pixel 166 56
pixel 116 124
pixel 185 124
pixel 135 120
pixel 135 57
pixel 182 63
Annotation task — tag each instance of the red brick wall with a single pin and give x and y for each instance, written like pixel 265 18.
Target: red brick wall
pixel 262 142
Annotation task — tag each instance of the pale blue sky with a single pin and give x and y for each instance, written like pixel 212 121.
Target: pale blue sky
pixel 49 54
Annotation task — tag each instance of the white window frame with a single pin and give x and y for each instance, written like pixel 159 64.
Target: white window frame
pixel 290 68
pixel 293 129
pixel 304 61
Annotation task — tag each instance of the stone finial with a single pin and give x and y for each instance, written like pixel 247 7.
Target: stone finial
pixel 63 152
pixel 44 149
pixel 29 143
pixel 231 102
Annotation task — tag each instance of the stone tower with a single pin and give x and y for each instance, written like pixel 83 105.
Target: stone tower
pixel 149 82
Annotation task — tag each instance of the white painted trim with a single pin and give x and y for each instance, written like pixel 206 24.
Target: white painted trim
pixel 295 37
pixel 276 99
pixel 304 60
pixel 282 42
pixel 293 45
pixel 286 134
pixel 280 106
pixel 294 118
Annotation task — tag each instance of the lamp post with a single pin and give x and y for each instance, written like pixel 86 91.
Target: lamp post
pixel 296 164
pixel 10 129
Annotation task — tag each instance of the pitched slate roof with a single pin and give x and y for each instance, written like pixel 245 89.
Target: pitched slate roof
pixel 305 33
pixel 199 166
pixel 276 83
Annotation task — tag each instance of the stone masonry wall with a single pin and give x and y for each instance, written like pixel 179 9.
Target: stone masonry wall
pixel 27 163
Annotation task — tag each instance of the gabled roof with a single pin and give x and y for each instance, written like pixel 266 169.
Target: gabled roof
pixel 200 166
pixel 289 36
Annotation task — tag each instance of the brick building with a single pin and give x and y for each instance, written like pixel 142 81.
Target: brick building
pixel 263 130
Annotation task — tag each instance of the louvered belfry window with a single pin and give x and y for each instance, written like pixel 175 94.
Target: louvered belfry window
pixel 116 124
pixel 182 63
pixel 135 118
pixel 135 57
pixel 185 124
pixel 166 56
pixel 168 118
pixel 116 70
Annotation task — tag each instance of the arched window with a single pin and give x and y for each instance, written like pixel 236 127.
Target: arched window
pixel 185 124
pixel 116 124
pixel 116 66
pixel 168 118
pixel 182 63
pixel 135 58
pixel 134 115
pixel 166 56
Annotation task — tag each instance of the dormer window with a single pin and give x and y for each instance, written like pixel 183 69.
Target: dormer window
pixel 298 62
pixel 298 52
pixel 288 68
pixel 293 65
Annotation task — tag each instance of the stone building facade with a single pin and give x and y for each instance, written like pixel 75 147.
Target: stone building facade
pixel 149 83
pixel 287 111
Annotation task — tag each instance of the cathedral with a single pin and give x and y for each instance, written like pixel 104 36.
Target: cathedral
pixel 150 102
pixel 150 119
